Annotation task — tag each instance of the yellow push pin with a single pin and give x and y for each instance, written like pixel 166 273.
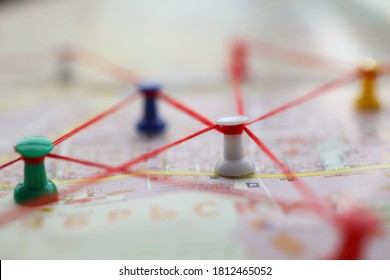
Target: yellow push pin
pixel 369 70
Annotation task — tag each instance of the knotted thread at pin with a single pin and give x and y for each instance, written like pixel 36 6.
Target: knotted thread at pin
pixel 231 130
pixel 33 160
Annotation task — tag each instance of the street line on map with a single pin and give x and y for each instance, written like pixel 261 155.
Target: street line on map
pixel 20 211
pixel 352 170
pixel 313 200
pixel 356 225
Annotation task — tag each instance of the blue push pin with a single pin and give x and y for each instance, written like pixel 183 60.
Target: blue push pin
pixel 150 124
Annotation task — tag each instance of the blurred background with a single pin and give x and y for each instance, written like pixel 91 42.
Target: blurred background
pixel 187 43
pixel 180 39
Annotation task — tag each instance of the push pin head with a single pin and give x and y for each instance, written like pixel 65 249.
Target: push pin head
pixel 234 162
pixel 150 124
pixel 369 66
pixel 35 189
pixel 34 147
pixel 232 120
pixel 231 125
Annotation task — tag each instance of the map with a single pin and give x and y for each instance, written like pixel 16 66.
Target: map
pixel 172 205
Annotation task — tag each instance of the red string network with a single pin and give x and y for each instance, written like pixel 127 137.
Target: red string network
pixel 352 225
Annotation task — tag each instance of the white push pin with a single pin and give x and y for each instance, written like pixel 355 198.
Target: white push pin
pixel 234 162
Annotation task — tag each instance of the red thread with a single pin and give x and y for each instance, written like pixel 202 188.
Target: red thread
pixel 107 66
pixel 354 227
pixel 19 212
pixel 238 67
pixel 315 93
pixel 314 202
pixel 231 129
pixel 186 109
pixel 267 49
pixel 95 119
pixel 150 94
pixel 80 161
pixel 238 71
pixel 357 227
pixel 10 163
pixel 160 150
pixel 237 87
pixel 33 160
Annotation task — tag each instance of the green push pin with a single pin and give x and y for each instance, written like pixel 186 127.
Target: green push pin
pixel 35 189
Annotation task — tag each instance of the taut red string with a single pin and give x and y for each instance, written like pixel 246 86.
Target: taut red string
pixel 97 118
pixel 33 160
pixel 238 72
pixel 160 150
pixel 185 109
pixel 356 225
pixel 4 165
pixel 293 56
pixel 311 95
pixel 237 88
pixel 107 66
pixel 313 201
pixel 80 161
pixel 19 212
pixel 231 130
